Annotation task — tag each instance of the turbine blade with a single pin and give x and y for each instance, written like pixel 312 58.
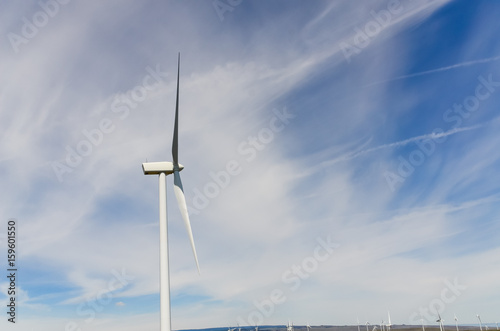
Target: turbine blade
pixel 175 141
pixel 181 201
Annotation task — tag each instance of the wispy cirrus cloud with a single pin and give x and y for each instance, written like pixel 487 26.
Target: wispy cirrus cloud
pixel 433 135
pixel 432 71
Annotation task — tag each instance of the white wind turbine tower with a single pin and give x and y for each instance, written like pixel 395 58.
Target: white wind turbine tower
pixel 389 323
pixel 423 326
pixel 162 169
pixel 440 321
pixel 480 323
pixel 308 327
pixel 357 319
pixel 456 321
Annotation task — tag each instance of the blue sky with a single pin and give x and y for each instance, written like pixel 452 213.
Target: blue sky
pixel 341 161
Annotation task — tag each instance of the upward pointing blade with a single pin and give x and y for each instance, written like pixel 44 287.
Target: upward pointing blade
pixel 181 201
pixel 175 142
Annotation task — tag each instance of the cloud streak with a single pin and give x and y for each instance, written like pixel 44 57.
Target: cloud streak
pixel 401 143
pixel 428 72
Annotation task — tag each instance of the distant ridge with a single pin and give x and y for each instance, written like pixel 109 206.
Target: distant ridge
pixel 342 328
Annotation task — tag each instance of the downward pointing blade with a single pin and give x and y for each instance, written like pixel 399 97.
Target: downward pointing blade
pixel 175 141
pixel 181 201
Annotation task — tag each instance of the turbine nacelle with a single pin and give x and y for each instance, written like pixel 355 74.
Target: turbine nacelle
pixel 156 168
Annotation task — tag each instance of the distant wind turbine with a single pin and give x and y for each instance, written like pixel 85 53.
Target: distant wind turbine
pixel 357 319
pixel 367 326
pixel 423 326
pixel 308 327
pixel 389 323
pixel 162 169
pixel 480 323
pixel 440 321
pixel 456 321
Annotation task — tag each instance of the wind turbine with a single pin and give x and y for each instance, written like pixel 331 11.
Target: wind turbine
pixel 423 326
pixel 456 321
pixel 162 169
pixel 480 323
pixel 367 326
pixel 357 319
pixel 308 327
pixel 440 321
pixel 389 323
